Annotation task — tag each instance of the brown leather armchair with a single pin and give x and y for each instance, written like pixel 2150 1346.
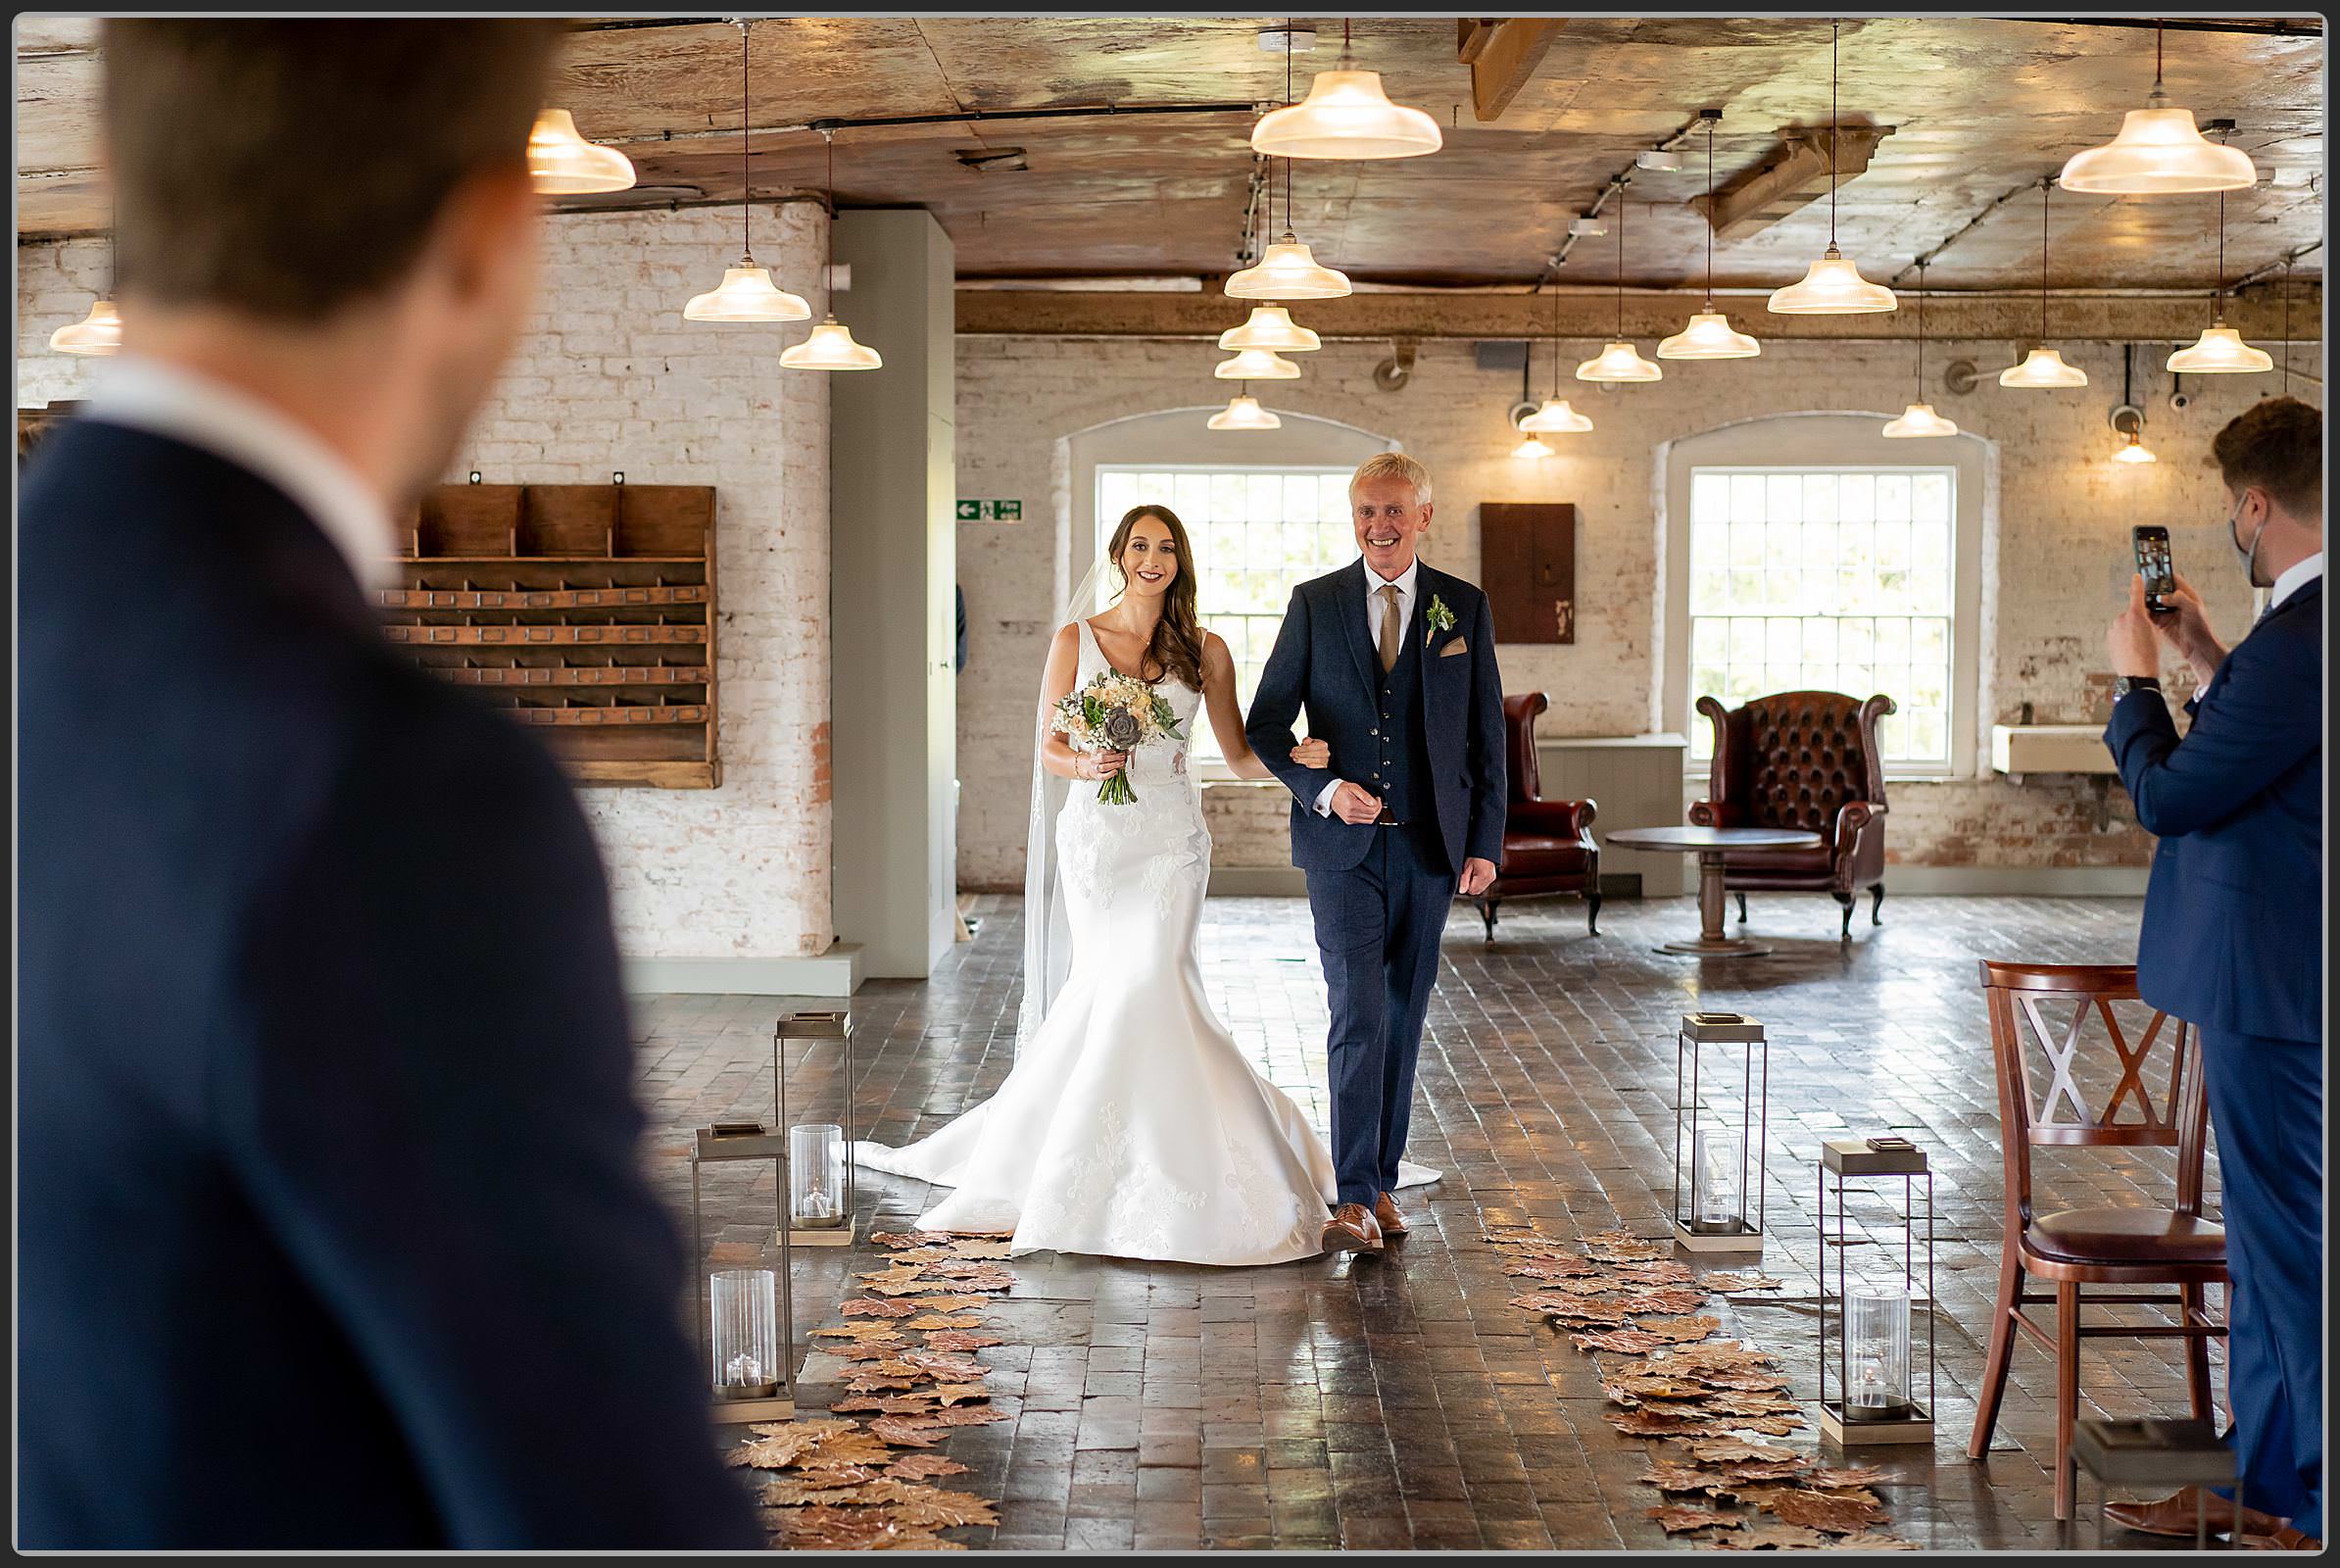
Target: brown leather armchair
pixel 1801 759
pixel 1547 845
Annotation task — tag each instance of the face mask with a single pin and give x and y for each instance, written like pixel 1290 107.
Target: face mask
pixel 2250 552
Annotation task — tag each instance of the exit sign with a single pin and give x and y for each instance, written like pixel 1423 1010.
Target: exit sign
pixel 990 511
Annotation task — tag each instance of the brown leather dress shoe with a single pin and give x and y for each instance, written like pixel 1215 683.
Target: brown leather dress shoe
pixel 1351 1229
pixel 2281 1538
pixel 1386 1215
pixel 2174 1515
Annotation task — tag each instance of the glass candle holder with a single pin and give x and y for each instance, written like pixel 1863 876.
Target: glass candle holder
pixel 1718 1161
pixel 816 1176
pixel 746 1332
pixel 1877 1378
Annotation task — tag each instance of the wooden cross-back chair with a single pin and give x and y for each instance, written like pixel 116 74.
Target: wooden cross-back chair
pixel 2056 1007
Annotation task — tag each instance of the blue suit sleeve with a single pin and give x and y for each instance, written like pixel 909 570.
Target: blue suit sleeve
pixel 438 1124
pixel 1275 706
pixel 1491 784
pixel 2264 720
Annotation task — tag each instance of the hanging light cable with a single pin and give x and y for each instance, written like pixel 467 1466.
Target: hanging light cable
pixel 1619 361
pixel 2043 367
pixel 1285 270
pixel 1919 418
pixel 831 347
pixel 1555 417
pixel 2219 349
pixel 747 292
pixel 100 332
pixel 1833 285
pixel 1346 114
pixel 2160 152
pixel 1709 334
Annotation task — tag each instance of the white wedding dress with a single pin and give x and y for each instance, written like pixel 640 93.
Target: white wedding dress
pixel 1133 1125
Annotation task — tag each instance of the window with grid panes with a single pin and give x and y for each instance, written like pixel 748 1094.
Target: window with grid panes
pixel 1827 579
pixel 1258 533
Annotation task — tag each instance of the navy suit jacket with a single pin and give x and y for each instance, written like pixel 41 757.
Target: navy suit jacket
pixel 332 1228
pixel 1325 659
pixel 2233 932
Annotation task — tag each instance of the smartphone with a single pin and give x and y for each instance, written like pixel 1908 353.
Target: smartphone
pixel 2152 544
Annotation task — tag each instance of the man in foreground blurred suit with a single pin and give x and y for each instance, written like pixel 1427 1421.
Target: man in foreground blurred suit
pixel 331 1230
pixel 2233 944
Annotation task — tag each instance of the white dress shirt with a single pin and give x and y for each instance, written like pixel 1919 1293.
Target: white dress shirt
pixel 1374 583
pixel 2294 577
pixel 143 393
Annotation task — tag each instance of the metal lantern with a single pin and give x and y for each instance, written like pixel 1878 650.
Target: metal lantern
pixel 1726 1149
pixel 1875 1397
pixel 745 1337
pixel 820 1196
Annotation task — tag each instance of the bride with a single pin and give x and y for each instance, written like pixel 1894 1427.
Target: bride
pixel 1132 1125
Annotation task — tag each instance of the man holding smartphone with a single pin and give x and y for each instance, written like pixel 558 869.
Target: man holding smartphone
pixel 2233 944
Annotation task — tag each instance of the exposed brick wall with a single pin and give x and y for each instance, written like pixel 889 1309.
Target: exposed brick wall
pixel 2063 514
pixel 609 378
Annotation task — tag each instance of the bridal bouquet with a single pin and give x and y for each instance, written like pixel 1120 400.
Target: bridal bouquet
pixel 1114 713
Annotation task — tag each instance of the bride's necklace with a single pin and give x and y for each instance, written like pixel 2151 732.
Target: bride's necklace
pixel 1099 640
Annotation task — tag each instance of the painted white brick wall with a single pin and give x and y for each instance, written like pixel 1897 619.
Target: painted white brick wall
pixel 609 378
pixel 2064 518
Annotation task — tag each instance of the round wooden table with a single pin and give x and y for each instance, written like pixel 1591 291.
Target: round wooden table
pixel 1710 844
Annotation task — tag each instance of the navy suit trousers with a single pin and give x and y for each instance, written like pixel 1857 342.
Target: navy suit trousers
pixel 2267 1108
pixel 1376 932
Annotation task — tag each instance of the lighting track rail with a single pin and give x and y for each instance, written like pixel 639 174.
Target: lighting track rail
pixel 985 116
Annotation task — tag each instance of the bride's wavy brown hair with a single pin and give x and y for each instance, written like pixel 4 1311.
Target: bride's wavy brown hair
pixel 1177 646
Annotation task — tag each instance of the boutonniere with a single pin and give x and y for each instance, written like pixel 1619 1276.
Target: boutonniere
pixel 1441 619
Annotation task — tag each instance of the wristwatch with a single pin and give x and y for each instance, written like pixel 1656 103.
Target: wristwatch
pixel 2124 684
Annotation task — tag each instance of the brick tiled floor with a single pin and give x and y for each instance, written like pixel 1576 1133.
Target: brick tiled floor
pixel 1398 1400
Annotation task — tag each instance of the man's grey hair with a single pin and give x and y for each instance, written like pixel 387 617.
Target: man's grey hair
pixel 1393 466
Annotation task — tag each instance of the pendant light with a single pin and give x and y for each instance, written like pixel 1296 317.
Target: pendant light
pixel 2159 152
pixel 2134 450
pixel 831 347
pixel 2129 419
pixel 747 292
pixel 1619 361
pixel 1271 327
pixel 1286 270
pixel 1709 335
pixel 100 332
pixel 1532 450
pixel 1919 418
pixel 563 163
pixel 1257 364
pixel 2043 367
pixel 1243 412
pixel 1345 114
pixel 2219 349
pixel 1833 285
pixel 1555 417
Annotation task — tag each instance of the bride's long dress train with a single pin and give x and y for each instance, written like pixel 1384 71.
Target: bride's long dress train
pixel 1133 1125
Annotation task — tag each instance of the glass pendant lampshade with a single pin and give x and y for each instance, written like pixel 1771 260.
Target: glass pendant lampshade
pixel 1271 327
pixel 98 333
pixel 563 163
pixel 746 294
pixel 1345 114
pixel 1257 364
pixel 1532 449
pixel 1243 412
pixel 1919 419
pixel 2043 367
pixel 1288 271
pixel 1708 336
pixel 2134 450
pixel 2160 152
pixel 1555 417
pixel 1832 286
pixel 831 347
pixel 1619 362
pixel 2220 351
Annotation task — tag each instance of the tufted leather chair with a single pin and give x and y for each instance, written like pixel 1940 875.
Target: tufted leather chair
pixel 1547 845
pixel 1801 759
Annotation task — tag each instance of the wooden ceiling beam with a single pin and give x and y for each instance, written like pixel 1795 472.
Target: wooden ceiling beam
pixel 1798 174
pixel 1502 54
pixel 1591 316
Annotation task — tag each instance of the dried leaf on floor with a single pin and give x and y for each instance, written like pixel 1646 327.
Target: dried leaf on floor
pixel 961 1340
pixel 1622 1341
pixel 1735 1284
pixel 1623 1247
pixel 971 1248
pixel 863 1332
pixel 950 1304
pixel 822 1529
pixel 941 1320
pixel 1646 1422
pixel 1664 1271
pixel 901 1239
pixel 951 1368
pixel 1770 1535
pixel 858 1404
pixel 1869 1541
pixel 1750 1403
pixel 960 1393
pixel 908 1431
pixel 873 1383
pixel 1663 1298
pixel 1546 1301
pixel 929 1508
pixel 1656 1388
pixel 1681 1330
pixel 974 1276
pixel 868 1307
pixel 1867 1475
pixel 1739 1451
pixel 1675 1519
pixel 1840 1513
pixel 788 1491
pixel 1550 1268
pixel 968 1415
pixel 900 1283
pixel 785 1443
pixel 1677 1477
pixel 923 1466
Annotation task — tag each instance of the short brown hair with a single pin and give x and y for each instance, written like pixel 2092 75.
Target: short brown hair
pixel 2277 445
pixel 290 168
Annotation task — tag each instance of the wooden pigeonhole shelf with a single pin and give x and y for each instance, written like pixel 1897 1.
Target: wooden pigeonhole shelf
pixel 585 609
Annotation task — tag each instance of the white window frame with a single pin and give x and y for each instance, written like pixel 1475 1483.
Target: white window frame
pixel 1806 443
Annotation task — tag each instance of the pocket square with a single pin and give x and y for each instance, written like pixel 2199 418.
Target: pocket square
pixel 1460 645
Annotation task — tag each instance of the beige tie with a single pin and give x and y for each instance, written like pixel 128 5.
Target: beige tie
pixel 1392 628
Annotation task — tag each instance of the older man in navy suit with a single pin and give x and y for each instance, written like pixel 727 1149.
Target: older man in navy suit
pixel 2233 943
pixel 332 1232
pixel 1396 664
